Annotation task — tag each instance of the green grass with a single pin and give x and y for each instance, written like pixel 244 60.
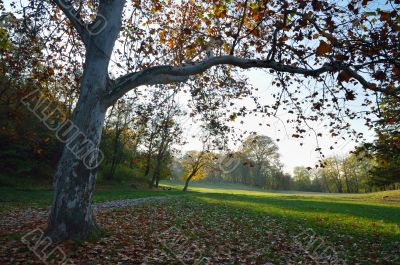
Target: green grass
pixel 240 189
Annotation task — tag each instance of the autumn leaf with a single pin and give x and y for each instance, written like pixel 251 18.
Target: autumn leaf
pixel 256 16
pixel 350 95
pixel 317 105
pixel 372 85
pixel 344 76
pixel 384 15
pixel 365 2
pixel 396 70
pixel 323 48
pixel 284 38
pixel 379 75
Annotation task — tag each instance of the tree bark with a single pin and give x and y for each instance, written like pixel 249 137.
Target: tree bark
pixel 148 157
pixel 156 174
pixel 71 214
pixel 187 181
pixel 153 178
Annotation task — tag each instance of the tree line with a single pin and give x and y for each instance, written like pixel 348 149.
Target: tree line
pixel 256 164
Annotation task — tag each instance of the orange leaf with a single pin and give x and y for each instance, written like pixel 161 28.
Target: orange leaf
pixel 256 16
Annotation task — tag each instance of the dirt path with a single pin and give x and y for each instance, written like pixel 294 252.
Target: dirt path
pixel 108 205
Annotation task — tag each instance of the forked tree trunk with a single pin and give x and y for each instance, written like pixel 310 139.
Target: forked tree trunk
pixel 71 215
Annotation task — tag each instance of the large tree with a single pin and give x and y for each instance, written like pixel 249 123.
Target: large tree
pixel 338 47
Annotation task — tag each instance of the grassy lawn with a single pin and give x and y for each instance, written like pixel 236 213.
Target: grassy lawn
pixel 234 224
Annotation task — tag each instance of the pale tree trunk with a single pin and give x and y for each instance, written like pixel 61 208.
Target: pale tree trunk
pixel 71 214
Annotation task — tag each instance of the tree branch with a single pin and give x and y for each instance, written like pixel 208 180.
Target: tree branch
pixel 72 14
pixel 368 85
pixel 166 74
pixel 236 40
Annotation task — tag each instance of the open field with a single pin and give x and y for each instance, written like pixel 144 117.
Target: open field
pixel 224 224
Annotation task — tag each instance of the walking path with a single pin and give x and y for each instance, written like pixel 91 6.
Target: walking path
pixel 108 205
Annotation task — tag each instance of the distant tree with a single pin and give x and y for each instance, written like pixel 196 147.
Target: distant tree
pixel 349 174
pixel 356 170
pixel 158 115
pixel 169 132
pixel 302 178
pixel 332 173
pixel 385 150
pixel 196 162
pixel 119 123
pixel 263 152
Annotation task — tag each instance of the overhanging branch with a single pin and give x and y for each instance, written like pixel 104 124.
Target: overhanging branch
pixel 166 74
pixel 169 74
